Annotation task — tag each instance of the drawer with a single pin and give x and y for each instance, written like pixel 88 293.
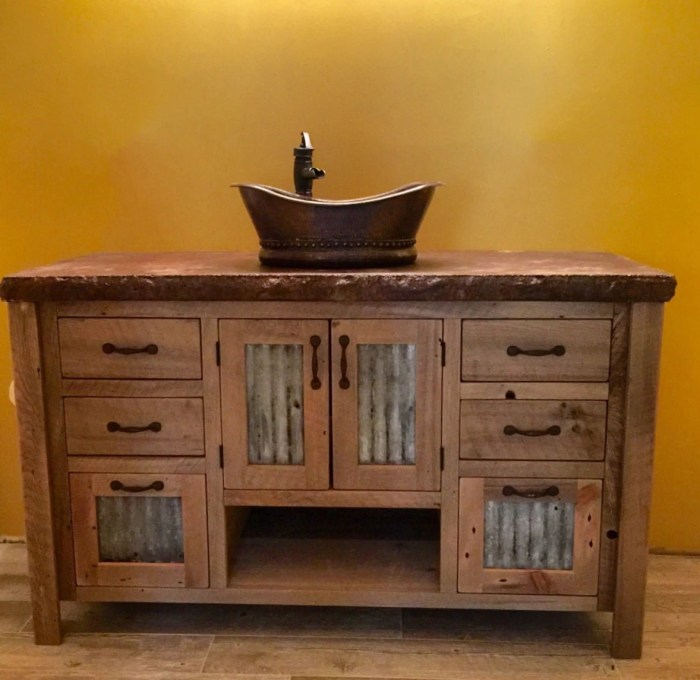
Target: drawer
pixel 532 430
pixel 134 427
pixel 529 536
pixel 536 350
pixel 130 348
pixel 143 530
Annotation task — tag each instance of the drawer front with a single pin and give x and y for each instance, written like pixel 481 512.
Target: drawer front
pixel 529 536
pixel 144 530
pixel 130 427
pixel 130 348
pixel 539 350
pixel 532 430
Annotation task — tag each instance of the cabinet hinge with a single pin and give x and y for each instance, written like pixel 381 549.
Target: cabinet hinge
pixel 442 458
pixel 443 348
pixel 218 353
pixel 221 456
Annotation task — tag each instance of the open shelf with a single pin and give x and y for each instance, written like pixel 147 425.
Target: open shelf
pixel 355 549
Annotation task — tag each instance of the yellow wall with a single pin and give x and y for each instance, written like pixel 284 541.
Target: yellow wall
pixel 555 124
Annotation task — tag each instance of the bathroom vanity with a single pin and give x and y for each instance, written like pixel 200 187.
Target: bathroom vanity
pixel 475 430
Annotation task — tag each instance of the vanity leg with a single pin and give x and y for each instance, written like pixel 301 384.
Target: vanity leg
pixel 31 417
pixel 640 411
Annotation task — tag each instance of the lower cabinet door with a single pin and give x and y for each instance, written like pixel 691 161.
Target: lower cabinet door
pixel 275 403
pixel 145 530
pixel 529 536
pixel 387 391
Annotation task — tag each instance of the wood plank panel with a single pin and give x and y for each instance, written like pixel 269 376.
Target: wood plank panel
pixel 31 416
pixel 215 518
pixel 323 309
pixel 614 441
pixel 523 468
pixel 533 390
pixel 452 338
pixel 496 350
pixel 637 464
pixel 335 498
pixel 144 464
pixel 328 597
pixel 131 388
pixel 532 430
pixel 407 659
pixel 94 657
pixel 96 426
pixel 356 564
pixel 130 348
pixel 56 437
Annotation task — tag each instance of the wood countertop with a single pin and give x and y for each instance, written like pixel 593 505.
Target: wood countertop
pixel 445 276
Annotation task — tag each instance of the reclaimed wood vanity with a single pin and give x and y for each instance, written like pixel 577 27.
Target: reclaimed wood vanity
pixel 475 430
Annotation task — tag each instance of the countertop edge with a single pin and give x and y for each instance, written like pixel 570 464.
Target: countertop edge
pixel 343 287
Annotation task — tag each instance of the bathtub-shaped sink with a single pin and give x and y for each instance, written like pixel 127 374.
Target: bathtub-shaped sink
pixel 376 231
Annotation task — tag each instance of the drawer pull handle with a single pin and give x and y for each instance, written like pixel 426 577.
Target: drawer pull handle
pixel 116 485
pixel 344 382
pixel 552 431
pixel 549 491
pixel 557 351
pixel 315 380
pixel 116 427
pixel 109 348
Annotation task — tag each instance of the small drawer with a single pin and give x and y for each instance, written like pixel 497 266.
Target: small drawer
pixel 532 430
pixel 130 348
pixel 536 350
pixel 140 530
pixel 134 427
pixel 529 536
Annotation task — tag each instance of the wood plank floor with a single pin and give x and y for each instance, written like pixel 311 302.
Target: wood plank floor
pixel 210 642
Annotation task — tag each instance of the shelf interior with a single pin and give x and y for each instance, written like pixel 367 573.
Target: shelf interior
pixel 338 548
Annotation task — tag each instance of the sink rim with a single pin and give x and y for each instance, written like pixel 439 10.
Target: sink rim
pixel 324 202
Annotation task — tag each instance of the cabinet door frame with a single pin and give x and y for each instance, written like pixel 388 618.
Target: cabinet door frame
pixel 86 487
pixel 582 579
pixel 239 473
pixel 348 473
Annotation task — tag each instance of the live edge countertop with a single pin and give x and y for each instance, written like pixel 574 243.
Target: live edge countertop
pixel 446 276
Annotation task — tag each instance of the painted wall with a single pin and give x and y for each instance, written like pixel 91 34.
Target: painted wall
pixel 555 124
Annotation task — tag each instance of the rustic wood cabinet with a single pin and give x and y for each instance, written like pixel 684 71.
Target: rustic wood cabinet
pixel 472 431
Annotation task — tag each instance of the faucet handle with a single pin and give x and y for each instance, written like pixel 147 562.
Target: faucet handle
pixel 306 141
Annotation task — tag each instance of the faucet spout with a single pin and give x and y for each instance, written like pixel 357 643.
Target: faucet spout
pixel 304 172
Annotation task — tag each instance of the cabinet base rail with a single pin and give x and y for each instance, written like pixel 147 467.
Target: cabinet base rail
pixel 332 598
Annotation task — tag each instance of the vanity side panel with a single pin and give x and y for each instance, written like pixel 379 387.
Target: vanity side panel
pixel 212 442
pixel 452 336
pixel 614 441
pixel 34 450
pixel 637 467
pixel 58 460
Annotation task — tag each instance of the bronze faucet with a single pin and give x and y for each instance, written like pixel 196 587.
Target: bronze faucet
pixel 304 172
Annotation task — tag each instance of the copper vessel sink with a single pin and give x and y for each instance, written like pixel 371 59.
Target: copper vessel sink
pixel 301 231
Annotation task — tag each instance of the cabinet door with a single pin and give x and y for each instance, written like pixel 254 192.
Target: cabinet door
pixel 529 536
pixel 274 401
pixel 140 530
pixel 387 381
